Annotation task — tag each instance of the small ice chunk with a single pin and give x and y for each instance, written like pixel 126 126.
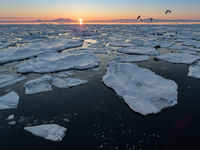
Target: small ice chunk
pixel 11 117
pixel 9 79
pixel 64 74
pixel 132 58
pixel 52 132
pixel 194 71
pixel 12 122
pixel 9 101
pixel 59 62
pixel 67 82
pixel 38 85
pixel 138 50
pixel 144 91
pixel 121 44
pixel 184 58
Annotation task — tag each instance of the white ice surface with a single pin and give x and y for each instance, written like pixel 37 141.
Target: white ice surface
pixel 52 132
pixel 9 79
pixel 59 62
pixel 194 71
pixel 144 91
pixel 11 117
pixel 121 44
pixel 132 58
pixel 9 101
pixel 36 48
pixel 64 74
pixel 184 58
pixel 38 85
pixel 67 82
pixel 138 50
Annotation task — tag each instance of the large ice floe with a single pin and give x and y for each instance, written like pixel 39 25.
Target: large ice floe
pixel 52 132
pixel 132 58
pixel 144 91
pixel 183 58
pixel 67 82
pixel 138 50
pixel 38 85
pixel 9 79
pixel 9 101
pixel 59 62
pixel 194 71
pixel 36 48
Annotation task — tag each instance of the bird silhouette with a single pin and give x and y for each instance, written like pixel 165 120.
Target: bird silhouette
pixel 138 17
pixel 168 11
pixel 151 19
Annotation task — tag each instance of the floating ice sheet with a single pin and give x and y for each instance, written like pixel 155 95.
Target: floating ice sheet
pixel 132 58
pixel 36 48
pixel 138 50
pixel 59 62
pixel 38 85
pixel 9 79
pixel 64 74
pixel 184 58
pixel 144 91
pixel 9 101
pixel 52 132
pixel 121 44
pixel 194 71
pixel 67 82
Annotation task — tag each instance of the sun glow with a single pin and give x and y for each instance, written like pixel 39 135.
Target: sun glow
pixel 80 21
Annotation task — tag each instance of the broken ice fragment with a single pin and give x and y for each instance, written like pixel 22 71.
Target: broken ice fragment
pixel 52 132
pixel 67 82
pixel 9 101
pixel 9 79
pixel 11 117
pixel 144 91
pixel 132 58
pixel 38 85
pixel 194 71
pixel 184 58
pixel 59 62
pixel 138 50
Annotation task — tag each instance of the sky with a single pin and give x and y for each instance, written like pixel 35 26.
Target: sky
pixel 98 9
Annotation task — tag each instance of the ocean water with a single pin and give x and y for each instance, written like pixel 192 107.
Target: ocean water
pixel 94 115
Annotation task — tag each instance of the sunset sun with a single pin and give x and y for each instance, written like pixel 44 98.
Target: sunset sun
pixel 80 21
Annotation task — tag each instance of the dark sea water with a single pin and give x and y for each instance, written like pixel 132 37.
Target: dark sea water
pixel 97 118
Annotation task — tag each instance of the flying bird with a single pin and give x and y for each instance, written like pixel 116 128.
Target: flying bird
pixel 168 11
pixel 151 19
pixel 138 17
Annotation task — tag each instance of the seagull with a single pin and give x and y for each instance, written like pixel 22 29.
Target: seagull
pixel 168 11
pixel 151 19
pixel 138 17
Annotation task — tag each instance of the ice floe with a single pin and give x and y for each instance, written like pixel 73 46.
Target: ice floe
pixel 132 58
pixel 38 85
pixel 36 48
pixel 138 50
pixel 52 132
pixel 11 117
pixel 194 71
pixel 184 58
pixel 121 44
pixel 67 82
pixel 144 91
pixel 9 79
pixel 59 62
pixel 64 74
pixel 9 101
